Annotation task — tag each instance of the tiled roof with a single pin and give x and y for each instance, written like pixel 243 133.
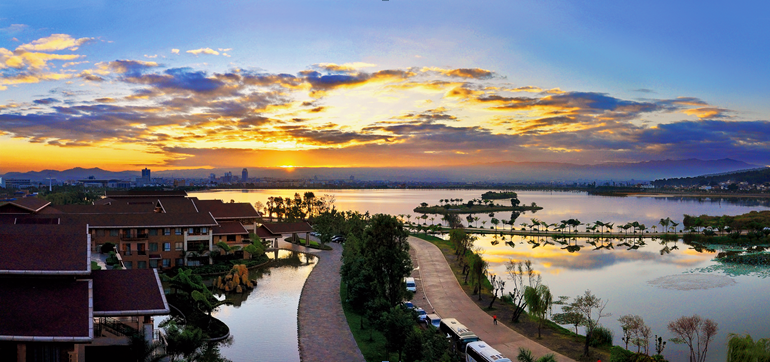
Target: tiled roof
pixel 119 207
pixel 128 292
pixel 263 233
pixel 143 220
pixel 46 309
pixel 29 204
pixel 140 193
pixel 229 228
pixel 44 249
pixel 178 205
pixel 288 227
pixel 222 210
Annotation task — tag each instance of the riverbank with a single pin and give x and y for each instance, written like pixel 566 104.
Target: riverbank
pixel 450 298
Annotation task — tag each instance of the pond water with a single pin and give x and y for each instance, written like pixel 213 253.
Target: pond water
pixel 629 279
pixel 263 321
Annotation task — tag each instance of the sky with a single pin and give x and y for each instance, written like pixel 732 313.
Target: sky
pixel 204 84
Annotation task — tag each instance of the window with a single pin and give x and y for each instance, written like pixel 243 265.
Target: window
pixel 113 232
pixel 128 264
pixel 230 237
pixel 154 263
pixel 179 262
pixel 167 231
pixel 178 246
pixel 190 231
pixel 99 232
pixel 153 232
pixel 166 246
pixel 126 249
pixel 141 265
pixel 166 263
pixel 204 230
pixel 178 231
pixel 153 246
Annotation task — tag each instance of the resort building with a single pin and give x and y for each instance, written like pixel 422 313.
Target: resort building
pixel 151 229
pixel 53 307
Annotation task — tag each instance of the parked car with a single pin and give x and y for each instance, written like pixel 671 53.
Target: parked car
pixel 410 284
pixel 338 239
pixel 421 314
pixel 409 304
pixel 433 320
pixel 315 233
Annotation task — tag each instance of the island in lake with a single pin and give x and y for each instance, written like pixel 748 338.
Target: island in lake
pixel 484 205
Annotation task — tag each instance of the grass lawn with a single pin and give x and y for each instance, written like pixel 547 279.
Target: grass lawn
pixel 370 341
pixel 555 337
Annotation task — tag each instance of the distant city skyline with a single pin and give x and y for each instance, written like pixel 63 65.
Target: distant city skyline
pixel 379 84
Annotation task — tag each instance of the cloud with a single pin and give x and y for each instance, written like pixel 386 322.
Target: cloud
pixel 175 51
pixel 53 43
pixel 335 113
pixel 72 64
pixel 45 101
pixel 14 28
pixel 707 112
pixel 342 68
pixel 475 73
pixel 203 51
pixel 644 90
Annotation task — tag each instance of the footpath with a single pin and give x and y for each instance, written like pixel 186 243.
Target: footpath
pixel 323 333
pixel 447 298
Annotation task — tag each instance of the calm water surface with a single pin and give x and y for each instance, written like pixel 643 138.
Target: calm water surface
pixel 619 275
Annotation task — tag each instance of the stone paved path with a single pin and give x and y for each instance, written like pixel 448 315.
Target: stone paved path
pixel 324 334
pixel 450 301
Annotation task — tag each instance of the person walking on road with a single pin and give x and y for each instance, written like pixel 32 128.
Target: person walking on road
pixel 494 319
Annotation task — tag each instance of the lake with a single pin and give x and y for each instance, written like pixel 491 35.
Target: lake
pixel 621 276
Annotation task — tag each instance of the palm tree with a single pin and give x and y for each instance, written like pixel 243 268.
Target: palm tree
pixel 665 223
pixel 526 355
pixel 654 229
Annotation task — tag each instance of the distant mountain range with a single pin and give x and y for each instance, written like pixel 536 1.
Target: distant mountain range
pixel 526 172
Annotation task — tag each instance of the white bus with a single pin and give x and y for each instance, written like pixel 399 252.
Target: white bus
pixel 481 352
pixel 458 333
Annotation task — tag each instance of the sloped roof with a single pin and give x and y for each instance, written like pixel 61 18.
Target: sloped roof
pixel 128 292
pixel 113 208
pixel 222 211
pixel 46 310
pixel 229 228
pixel 30 204
pixel 288 227
pixel 143 220
pixel 44 249
pixel 263 233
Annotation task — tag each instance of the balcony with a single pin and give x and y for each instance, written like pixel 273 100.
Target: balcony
pixel 136 237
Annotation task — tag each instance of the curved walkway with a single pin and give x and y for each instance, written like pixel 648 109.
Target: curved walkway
pixel 449 300
pixel 324 334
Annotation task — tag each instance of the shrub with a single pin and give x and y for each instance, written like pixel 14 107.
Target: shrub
pixel 620 354
pixel 601 336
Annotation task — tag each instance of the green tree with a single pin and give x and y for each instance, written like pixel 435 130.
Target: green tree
pixel 396 324
pixel 586 305
pixel 182 341
pixel 386 250
pixel 539 302
pixel 745 349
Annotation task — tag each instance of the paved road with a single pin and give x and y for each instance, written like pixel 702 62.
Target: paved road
pixel 324 334
pixel 450 301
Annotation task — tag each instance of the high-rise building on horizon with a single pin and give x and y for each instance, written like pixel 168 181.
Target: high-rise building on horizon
pixel 244 175
pixel 146 177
